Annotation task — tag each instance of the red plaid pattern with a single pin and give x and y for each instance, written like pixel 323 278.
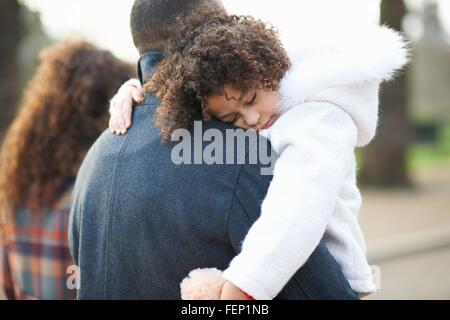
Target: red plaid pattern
pixel 35 257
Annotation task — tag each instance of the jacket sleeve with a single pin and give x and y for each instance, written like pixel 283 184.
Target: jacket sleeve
pixel 316 141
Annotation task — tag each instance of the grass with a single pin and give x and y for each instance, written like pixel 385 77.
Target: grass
pixel 425 156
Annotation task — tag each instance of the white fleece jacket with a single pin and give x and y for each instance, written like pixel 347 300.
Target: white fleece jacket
pixel 329 107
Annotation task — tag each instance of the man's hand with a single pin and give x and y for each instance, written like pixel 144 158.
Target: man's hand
pixel 231 292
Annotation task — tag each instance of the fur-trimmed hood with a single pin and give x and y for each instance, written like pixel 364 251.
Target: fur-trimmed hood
pixel 346 70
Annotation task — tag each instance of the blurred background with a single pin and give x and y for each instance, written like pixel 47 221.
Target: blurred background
pixel 404 173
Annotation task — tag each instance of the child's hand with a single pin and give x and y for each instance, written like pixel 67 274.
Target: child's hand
pixel 121 106
pixel 231 292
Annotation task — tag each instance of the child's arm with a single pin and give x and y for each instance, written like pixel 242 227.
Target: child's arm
pixel 121 106
pixel 316 141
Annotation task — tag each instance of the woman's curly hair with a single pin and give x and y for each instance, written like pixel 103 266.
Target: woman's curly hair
pixel 207 55
pixel 64 109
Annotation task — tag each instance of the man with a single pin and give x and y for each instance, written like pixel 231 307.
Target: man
pixel 140 222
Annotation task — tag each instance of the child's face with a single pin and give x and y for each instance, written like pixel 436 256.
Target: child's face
pixel 255 109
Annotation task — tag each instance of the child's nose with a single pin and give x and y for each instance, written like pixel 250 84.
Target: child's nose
pixel 251 118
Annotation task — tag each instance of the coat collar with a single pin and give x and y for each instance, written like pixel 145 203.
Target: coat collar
pixel 147 64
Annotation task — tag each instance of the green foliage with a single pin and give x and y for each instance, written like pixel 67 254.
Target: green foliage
pixel 421 156
pixel 425 155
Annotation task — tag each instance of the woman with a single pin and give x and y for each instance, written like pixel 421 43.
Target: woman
pixel 64 111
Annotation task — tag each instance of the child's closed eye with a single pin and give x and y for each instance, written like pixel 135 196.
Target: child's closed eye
pixel 252 101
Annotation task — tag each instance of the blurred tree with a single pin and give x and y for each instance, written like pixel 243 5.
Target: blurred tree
pixel 384 160
pixel 430 71
pixel 33 39
pixel 10 34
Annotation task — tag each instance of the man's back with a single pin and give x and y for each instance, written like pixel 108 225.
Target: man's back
pixel 144 222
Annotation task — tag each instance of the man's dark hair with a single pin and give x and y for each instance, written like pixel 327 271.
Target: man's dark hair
pixel 152 21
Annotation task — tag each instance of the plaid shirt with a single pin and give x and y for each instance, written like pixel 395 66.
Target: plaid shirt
pixel 35 257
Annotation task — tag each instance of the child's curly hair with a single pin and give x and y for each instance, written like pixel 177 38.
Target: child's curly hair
pixel 65 108
pixel 205 56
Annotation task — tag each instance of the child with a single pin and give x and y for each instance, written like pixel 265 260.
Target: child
pixel 324 107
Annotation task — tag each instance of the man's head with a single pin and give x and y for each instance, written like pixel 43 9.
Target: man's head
pixel 152 21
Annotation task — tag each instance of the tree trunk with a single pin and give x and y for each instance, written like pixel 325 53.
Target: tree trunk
pixel 384 161
pixel 10 32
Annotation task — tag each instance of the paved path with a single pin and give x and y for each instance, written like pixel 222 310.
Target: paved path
pixel 408 237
